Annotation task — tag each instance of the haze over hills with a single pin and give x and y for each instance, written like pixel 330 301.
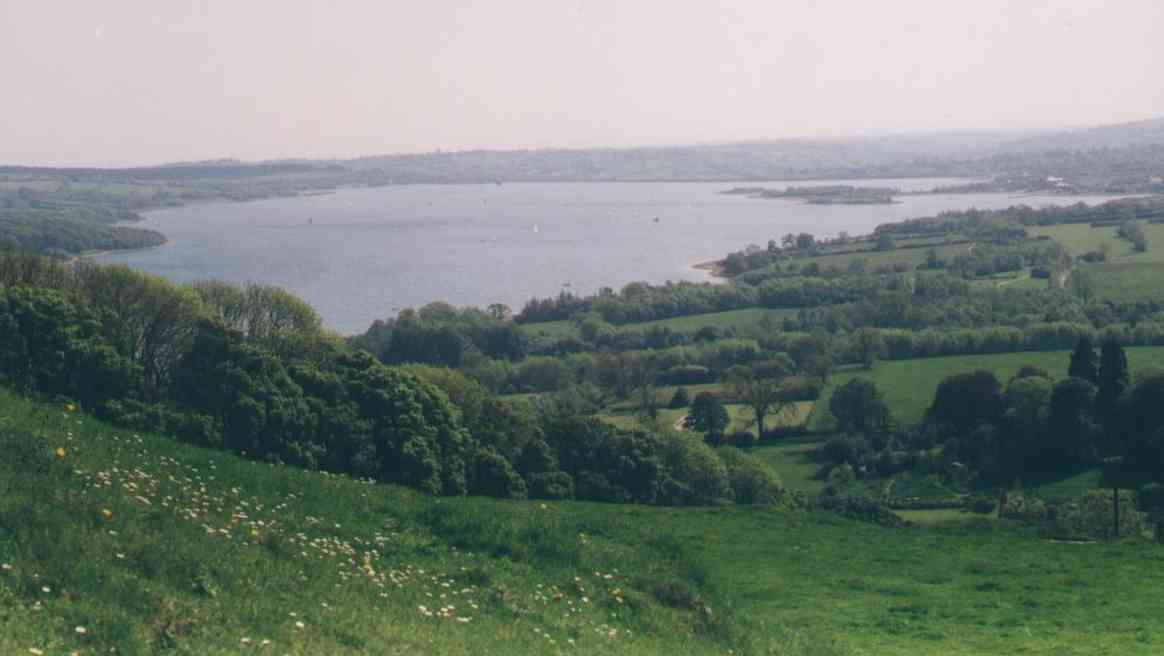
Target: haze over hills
pixel 978 154
pixel 1149 132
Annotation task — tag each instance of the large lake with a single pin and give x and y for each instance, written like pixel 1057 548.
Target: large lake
pixel 361 254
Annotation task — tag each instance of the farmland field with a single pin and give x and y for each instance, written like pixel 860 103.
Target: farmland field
pixel 908 385
pixel 1080 238
pixel 875 259
pixel 738 319
pixel 1128 280
pixel 791 461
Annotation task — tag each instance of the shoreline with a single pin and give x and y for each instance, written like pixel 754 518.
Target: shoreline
pixel 714 268
pixel 116 251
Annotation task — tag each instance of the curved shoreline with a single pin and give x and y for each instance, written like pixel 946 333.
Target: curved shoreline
pixel 115 251
pixel 714 268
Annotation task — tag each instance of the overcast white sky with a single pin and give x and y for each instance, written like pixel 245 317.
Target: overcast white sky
pixel 104 82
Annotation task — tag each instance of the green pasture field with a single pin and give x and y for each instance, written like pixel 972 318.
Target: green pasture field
pixel 875 259
pixel 741 416
pixel 792 462
pixel 1128 280
pixel 909 385
pixel 1080 238
pixel 738 319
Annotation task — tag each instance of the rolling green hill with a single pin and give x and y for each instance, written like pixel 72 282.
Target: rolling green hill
pixel 144 545
pixel 139 544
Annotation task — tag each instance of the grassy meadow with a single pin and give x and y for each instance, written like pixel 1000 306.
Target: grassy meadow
pixel 793 462
pixel 1126 275
pixel 142 545
pixel 875 259
pixel 137 544
pixel 739 319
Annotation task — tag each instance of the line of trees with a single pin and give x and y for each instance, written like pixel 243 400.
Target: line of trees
pixel 980 432
pixel 251 370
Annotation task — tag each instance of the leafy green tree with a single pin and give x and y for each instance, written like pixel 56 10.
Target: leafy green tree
pixel 709 416
pixel 869 345
pixel 1083 363
pixel 965 400
pixel 693 474
pixel 752 480
pixel 1140 424
pixel 679 399
pixel 149 320
pixel 1082 284
pixel 760 388
pixel 1114 380
pixel 1026 401
pixel 1072 431
pixel 859 408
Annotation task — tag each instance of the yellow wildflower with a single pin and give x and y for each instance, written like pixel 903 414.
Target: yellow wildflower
pixel 69 407
pixel 60 452
pixel 107 513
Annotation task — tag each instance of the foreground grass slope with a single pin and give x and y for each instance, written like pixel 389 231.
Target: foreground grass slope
pixel 113 540
pixel 204 553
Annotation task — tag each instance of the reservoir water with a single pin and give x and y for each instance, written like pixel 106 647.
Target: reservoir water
pixel 361 254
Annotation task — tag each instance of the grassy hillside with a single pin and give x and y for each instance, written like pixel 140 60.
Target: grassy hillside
pixel 1080 238
pixel 153 547
pixel 738 319
pixel 1126 275
pixel 908 385
pixel 792 462
pixel 875 259
pixel 114 540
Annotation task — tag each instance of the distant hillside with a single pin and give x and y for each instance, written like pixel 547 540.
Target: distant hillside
pixel 903 155
pixel 1136 155
pixel 1122 135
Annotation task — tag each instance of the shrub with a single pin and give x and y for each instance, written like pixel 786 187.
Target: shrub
pixel 1024 508
pixel 841 476
pixel 696 475
pixel 888 462
pixel 679 399
pixel 1091 516
pixel 687 375
pixel 493 475
pixel 740 438
pixel 752 480
pixel 981 504
pixel 551 485
pixel 846 449
pixel 801 388
pixel 783 432
pixel 860 508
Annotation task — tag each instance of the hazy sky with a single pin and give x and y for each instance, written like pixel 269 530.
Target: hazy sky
pixel 143 81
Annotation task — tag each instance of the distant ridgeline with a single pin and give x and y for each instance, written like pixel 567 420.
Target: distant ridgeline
pixel 65 211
